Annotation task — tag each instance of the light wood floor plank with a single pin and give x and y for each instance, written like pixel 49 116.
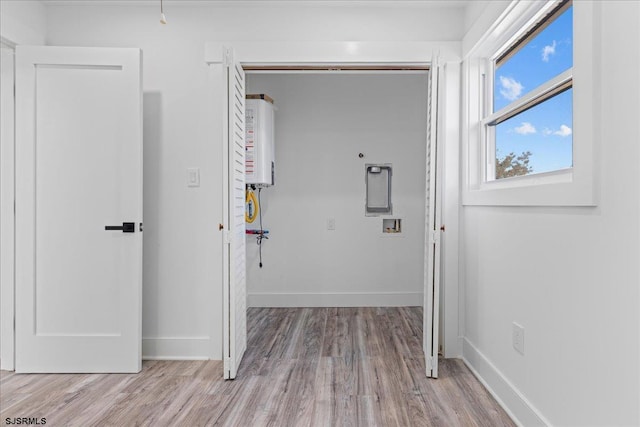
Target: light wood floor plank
pixel 303 367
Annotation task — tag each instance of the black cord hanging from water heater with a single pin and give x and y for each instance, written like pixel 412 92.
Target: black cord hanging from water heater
pixel 261 234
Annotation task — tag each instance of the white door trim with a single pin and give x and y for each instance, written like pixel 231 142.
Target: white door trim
pixel 7 236
pixel 385 53
pixel 342 52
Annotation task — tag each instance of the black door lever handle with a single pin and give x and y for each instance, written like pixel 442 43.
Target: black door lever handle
pixel 126 227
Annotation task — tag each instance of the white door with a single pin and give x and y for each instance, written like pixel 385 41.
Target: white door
pixel 78 172
pixel 432 231
pixel 234 287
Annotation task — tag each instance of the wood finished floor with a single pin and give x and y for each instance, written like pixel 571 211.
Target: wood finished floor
pixel 304 367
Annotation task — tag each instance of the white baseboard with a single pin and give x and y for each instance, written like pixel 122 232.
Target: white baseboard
pixel 346 299
pixel 176 348
pixel 521 411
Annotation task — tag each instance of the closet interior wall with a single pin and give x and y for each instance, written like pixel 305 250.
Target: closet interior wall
pixel 323 122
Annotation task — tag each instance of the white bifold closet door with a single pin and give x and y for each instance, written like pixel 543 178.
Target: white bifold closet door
pixel 432 229
pixel 78 209
pixel 235 285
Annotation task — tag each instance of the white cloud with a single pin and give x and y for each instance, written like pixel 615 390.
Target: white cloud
pixel 511 88
pixel 525 129
pixel 548 50
pixel 547 131
pixel 564 131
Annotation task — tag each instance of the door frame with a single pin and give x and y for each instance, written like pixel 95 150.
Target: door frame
pixel 7 236
pixel 385 54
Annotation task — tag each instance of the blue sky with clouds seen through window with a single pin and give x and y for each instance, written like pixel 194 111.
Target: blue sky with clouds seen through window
pixel 547 129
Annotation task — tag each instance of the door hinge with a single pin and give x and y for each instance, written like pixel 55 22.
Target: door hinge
pixel 434 236
pixel 429 362
pixel 226 236
pixel 227 364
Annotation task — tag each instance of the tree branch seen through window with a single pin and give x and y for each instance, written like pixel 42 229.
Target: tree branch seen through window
pixel 510 165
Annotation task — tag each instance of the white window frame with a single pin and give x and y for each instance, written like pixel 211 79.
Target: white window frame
pixel 536 97
pixel 573 186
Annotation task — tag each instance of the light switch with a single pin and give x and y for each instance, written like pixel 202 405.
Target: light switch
pixel 193 177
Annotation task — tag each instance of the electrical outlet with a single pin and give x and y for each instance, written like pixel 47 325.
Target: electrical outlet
pixel 517 336
pixel 331 223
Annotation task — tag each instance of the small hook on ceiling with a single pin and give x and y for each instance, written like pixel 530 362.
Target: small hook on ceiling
pixel 163 19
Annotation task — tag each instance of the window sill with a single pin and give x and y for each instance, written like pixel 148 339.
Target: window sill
pixel 558 188
pixel 544 178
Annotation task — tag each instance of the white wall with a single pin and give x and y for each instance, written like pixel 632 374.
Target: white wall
pixel 479 16
pixel 568 275
pixel 182 314
pixel 23 22
pixel 322 123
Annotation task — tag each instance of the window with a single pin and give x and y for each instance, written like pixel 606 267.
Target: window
pixel 530 100
pixel 530 128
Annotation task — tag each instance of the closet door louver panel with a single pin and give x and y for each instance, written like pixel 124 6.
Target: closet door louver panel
pixel 235 316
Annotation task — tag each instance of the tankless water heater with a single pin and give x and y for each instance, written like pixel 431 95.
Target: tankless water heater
pixel 259 141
